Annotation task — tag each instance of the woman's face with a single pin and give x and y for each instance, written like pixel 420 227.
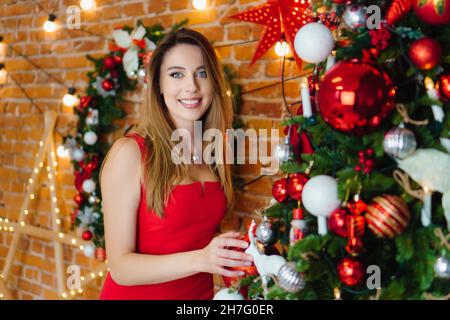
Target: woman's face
pixel 185 86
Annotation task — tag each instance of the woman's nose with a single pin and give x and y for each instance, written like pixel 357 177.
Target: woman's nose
pixel 192 85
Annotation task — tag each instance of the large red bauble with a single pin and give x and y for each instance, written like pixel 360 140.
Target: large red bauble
pixel 248 270
pixel 387 216
pixel 443 85
pixel 279 190
pixel 295 183
pixel 434 12
pixel 350 271
pixel 355 96
pixel 425 53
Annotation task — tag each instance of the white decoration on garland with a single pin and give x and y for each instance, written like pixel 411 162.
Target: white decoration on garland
pixel 124 40
pixel 92 117
pixel 88 186
pixel 89 250
pixel 78 154
pixel 90 137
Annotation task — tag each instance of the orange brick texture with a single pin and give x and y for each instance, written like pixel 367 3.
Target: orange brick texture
pixel 63 56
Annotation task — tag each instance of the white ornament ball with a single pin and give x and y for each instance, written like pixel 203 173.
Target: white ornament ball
pixel 90 137
pixel 78 154
pixel 89 250
pixel 228 294
pixel 88 186
pixel 313 42
pixel 320 195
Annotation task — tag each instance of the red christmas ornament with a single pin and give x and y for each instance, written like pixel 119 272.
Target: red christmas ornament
pixel 295 183
pixel 434 12
pixel 398 10
pixel 350 271
pixel 248 270
pixel 107 85
pixel 380 37
pixel 100 254
pixel 78 198
pixel 109 63
pixel 279 190
pixel 337 222
pixel 117 59
pixel 280 17
pixel 387 216
pixel 425 53
pixel 354 246
pixel 443 85
pixel 355 96
pixel 87 235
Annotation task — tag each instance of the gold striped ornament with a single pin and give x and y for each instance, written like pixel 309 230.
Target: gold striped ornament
pixel 387 216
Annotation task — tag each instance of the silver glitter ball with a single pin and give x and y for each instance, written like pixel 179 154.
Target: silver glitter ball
pixel 266 233
pixel 399 142
pixel 354 16
pixel 289 279
pixel 442 268
pixel 141 73
pixel 283 151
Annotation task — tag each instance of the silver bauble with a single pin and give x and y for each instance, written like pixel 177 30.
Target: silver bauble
pixel 266 233
pixel 442 268
pixel 283 151
pixel 399 142
pixel 289 279
pixel 354 16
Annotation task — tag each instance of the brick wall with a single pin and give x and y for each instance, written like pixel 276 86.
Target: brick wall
pixel 62 54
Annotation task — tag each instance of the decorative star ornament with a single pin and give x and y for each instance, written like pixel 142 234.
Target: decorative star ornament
pixel 282 19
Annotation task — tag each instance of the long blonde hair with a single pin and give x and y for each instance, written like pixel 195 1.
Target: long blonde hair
pixel 155 125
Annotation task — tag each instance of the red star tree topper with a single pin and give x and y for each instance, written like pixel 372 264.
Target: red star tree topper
pixel 282 18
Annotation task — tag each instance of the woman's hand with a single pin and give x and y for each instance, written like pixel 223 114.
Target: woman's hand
pixel 215 257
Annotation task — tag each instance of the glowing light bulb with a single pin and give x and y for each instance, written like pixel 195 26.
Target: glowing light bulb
pixel 50 24
pixel 3 48
pixel 69 99
pixel 199 4
pixel 282 49
pixel 87 4
pixel 62 151
pixel 3 74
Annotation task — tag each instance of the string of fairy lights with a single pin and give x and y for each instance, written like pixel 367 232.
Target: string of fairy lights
pixel 70 100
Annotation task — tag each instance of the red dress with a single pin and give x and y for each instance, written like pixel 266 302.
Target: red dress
pixel 190 222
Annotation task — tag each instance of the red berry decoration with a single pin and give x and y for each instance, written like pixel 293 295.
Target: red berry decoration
pixel 425 53
pixel 295 183
pixel 443 85
pixel 78 198
pixel 117 59
pixel 107 85
pixel 355 96
pixel 387 216
pixel 109 63
pixel 279 190
pixel 350 271
pixel 434 12
pixel 87 235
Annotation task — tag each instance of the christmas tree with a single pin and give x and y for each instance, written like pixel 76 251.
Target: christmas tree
pixel 363 208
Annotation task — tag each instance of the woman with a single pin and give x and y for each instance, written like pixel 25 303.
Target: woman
pixel 160 218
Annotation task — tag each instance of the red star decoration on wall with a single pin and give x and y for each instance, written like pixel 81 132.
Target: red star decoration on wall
pixel 282 18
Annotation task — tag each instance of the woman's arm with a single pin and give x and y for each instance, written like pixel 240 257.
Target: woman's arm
pixel 120 186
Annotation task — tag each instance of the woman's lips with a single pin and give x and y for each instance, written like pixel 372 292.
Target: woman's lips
pixel 190 103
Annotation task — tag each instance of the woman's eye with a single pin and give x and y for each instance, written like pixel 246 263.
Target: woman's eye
pixel 176 75
pixel 202 74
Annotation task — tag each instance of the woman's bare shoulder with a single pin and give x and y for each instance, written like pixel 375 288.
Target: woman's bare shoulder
pixel 123 159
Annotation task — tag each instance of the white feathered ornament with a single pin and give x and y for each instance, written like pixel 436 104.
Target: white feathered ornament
pixel 431 169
